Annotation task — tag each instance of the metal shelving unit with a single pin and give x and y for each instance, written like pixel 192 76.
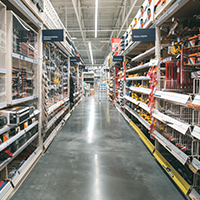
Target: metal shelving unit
pixel 175 113
pixel 30 72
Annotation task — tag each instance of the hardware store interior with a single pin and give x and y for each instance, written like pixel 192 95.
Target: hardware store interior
pixel 100 100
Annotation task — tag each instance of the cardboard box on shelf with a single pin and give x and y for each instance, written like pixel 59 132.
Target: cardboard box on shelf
pixel 92 91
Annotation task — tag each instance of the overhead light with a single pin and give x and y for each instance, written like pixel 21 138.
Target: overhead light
pixel 73 38
pixel 90 48
pixel 96 13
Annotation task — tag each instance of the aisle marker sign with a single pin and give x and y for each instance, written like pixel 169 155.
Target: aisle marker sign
pixel 118 58
pixel 53 35
pixel 81 66
pixel 75 59
pixel 146 35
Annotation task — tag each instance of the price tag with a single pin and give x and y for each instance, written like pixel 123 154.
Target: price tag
pixel 153 62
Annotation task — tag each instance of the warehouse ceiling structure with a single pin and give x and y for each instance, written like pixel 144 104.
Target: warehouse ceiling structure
pixel 113 18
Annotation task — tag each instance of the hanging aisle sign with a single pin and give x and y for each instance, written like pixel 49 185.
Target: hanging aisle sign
pixel 81 66
pixel 54 35
pixel 146 35
pixel 75 59
pixel 118 58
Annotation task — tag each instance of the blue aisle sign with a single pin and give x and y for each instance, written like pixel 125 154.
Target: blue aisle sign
pixel 53 35
pixel 146 35
pixel 75 59
pixel 81 66
pixel 118 58
pixel 106 70
pixel 85 70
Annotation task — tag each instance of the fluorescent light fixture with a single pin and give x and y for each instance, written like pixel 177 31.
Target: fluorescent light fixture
pixel 96 13
pixel 90 48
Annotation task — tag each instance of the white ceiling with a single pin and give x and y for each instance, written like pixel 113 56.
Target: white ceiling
pixel 114 17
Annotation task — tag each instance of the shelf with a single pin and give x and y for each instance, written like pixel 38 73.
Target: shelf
pixel 171 96
pixel 119 73
pixel 131 100
pixel 52 135
pixel 55 106
pixel 143 55
pixel 143 121
pixel 66 99
pixel 130 47
pixel 196 100
pixel 181 127
pixel 123 114
pixel 2 105
pixel 15 154
pixel 21 100
pixel 138 68
pixel 196 164
pixel 17 136
pixel 140 78
pixel 15 55
pixel 75 94
pixel 188 64
pixel 2 71
pixel 54 119
pixel 196 132
pixel 4 129
pixel 176 152
pixel 140 90
pixel 138 103
pixel 5 189
pixel 65 88
pixel 22 171
pixel 66 117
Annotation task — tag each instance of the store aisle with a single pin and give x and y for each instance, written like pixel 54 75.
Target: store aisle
pixel 97 156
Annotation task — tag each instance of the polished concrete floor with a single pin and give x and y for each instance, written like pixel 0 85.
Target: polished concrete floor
pixel 97 156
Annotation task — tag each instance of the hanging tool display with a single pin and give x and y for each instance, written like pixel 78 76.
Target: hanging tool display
pixel 158 2
pixel 173 27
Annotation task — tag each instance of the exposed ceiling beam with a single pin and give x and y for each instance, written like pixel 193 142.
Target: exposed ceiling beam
pixel 127 16
pixel 118 18
pixel 79 23
pixel 91 39
pixel 105 30
pixel 89 7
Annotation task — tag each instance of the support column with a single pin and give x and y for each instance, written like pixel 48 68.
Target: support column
pixel 68 76
pixel 124 90
pixel 40 86
pixel 78 88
